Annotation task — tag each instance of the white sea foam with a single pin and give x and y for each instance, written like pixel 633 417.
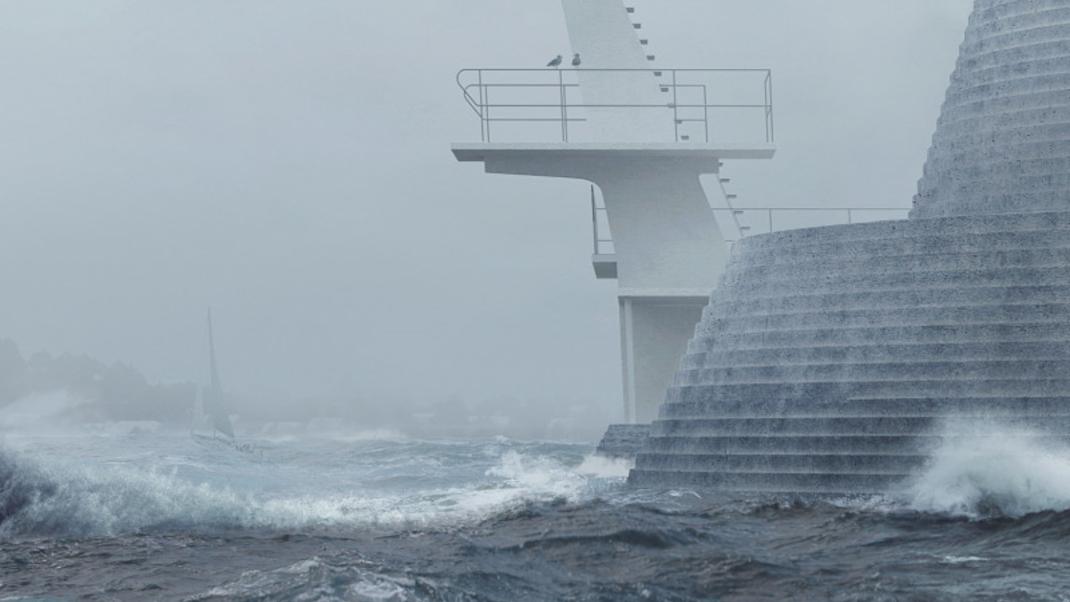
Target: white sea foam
pixel 58 495
pixel 317 580
pixel 607 468
pixel 1011 475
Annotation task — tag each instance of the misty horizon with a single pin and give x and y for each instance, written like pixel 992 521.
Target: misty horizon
pixel 293 172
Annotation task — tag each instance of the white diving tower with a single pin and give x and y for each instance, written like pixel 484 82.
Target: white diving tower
pixel 643 135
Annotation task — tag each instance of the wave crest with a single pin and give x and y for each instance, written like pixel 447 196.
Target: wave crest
pixel 1010 475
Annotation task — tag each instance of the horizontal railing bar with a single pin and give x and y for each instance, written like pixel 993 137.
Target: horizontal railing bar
pixel 581 70
pixel 749 209
pixel 526 119
pixel 557 105
pixel 524 85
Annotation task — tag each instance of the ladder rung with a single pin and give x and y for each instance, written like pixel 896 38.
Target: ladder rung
pixel 731 197
pixel 738 211
pixel 744 228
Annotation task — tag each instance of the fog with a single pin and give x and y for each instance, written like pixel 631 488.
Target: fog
pixel 288 164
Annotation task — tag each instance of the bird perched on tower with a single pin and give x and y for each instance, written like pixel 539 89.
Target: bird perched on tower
pixel 556 62
pixel 576 62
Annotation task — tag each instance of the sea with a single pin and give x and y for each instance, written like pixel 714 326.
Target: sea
pixel 134 512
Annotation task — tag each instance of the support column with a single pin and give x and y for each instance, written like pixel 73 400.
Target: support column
pixel 669 251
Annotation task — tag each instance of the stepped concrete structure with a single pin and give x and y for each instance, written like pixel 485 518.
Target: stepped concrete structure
pixel 830 360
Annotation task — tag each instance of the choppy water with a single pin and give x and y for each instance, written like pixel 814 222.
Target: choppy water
pixel 145 515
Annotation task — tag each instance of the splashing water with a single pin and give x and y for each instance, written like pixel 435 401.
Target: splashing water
pixel 82 486
pixel 1009 474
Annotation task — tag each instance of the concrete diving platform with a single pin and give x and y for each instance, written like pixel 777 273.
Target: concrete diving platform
pixel 483 152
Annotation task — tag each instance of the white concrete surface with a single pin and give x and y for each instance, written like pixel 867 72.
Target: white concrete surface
pixel 669 250
pixel 601 31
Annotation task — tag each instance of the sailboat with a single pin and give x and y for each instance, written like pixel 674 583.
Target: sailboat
pixel 210 418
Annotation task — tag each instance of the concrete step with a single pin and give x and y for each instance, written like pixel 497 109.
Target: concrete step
pixel 977 117
pixel 1002 203
pixel 623 440
pixel 1052 49
pixel 1037 99
pixel 1027 84
pixel 766 482
pixel 819 248
pixel 1040 13
pixel 824 445
pixel 1009 134
pixel 1015 38
pixel 879 351
pixel 750 393
pixel 996 263
pixel 877 335
pixel 889 371
pixel 922 295
pixel 994 313
pixel 994 73
pixel 783 464
pixel 736 287
pixel 946 226
pixel 966 157
pixel 863 426
pixel 993 407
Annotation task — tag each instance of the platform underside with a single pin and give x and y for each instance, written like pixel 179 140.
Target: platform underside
pixel 480 152
pixel 837 359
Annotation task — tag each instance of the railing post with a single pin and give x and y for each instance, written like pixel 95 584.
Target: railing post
pixel 594 221
pixel 706 112
pixel 771 128
pixel 675 109
pixel 484 134
pixel 770 221
pixel 850 217
pixel 564 114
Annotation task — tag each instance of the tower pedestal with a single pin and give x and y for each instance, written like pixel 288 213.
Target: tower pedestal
pixel 669 249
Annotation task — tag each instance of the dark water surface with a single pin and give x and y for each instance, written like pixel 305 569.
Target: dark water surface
pixel 142 515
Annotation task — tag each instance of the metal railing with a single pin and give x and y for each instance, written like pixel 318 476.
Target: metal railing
pixel 603 239
pixel 550 97
pixel 769 213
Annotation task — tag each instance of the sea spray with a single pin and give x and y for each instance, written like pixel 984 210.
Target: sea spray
pixel 75 486
pixel 1005 472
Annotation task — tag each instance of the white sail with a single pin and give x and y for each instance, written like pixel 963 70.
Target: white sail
pixel 212 401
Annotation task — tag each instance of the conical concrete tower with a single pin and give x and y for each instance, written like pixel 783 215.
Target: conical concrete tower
pixel 1002 144
pixel 834 359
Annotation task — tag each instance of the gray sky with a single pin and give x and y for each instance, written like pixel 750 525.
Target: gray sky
pixel 288 163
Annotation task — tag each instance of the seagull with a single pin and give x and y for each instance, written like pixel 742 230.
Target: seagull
pixel 555 63
pixel 576 62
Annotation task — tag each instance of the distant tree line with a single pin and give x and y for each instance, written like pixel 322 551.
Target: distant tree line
pixel 110 391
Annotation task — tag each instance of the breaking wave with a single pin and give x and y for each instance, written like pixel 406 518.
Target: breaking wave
pixel 979 477
pixel 63 498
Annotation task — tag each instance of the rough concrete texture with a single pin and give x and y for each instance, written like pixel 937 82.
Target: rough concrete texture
pixel 1003 140
pixel 623 441
pixel 829 359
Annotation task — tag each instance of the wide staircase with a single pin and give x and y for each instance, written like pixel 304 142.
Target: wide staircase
pixel 834 359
